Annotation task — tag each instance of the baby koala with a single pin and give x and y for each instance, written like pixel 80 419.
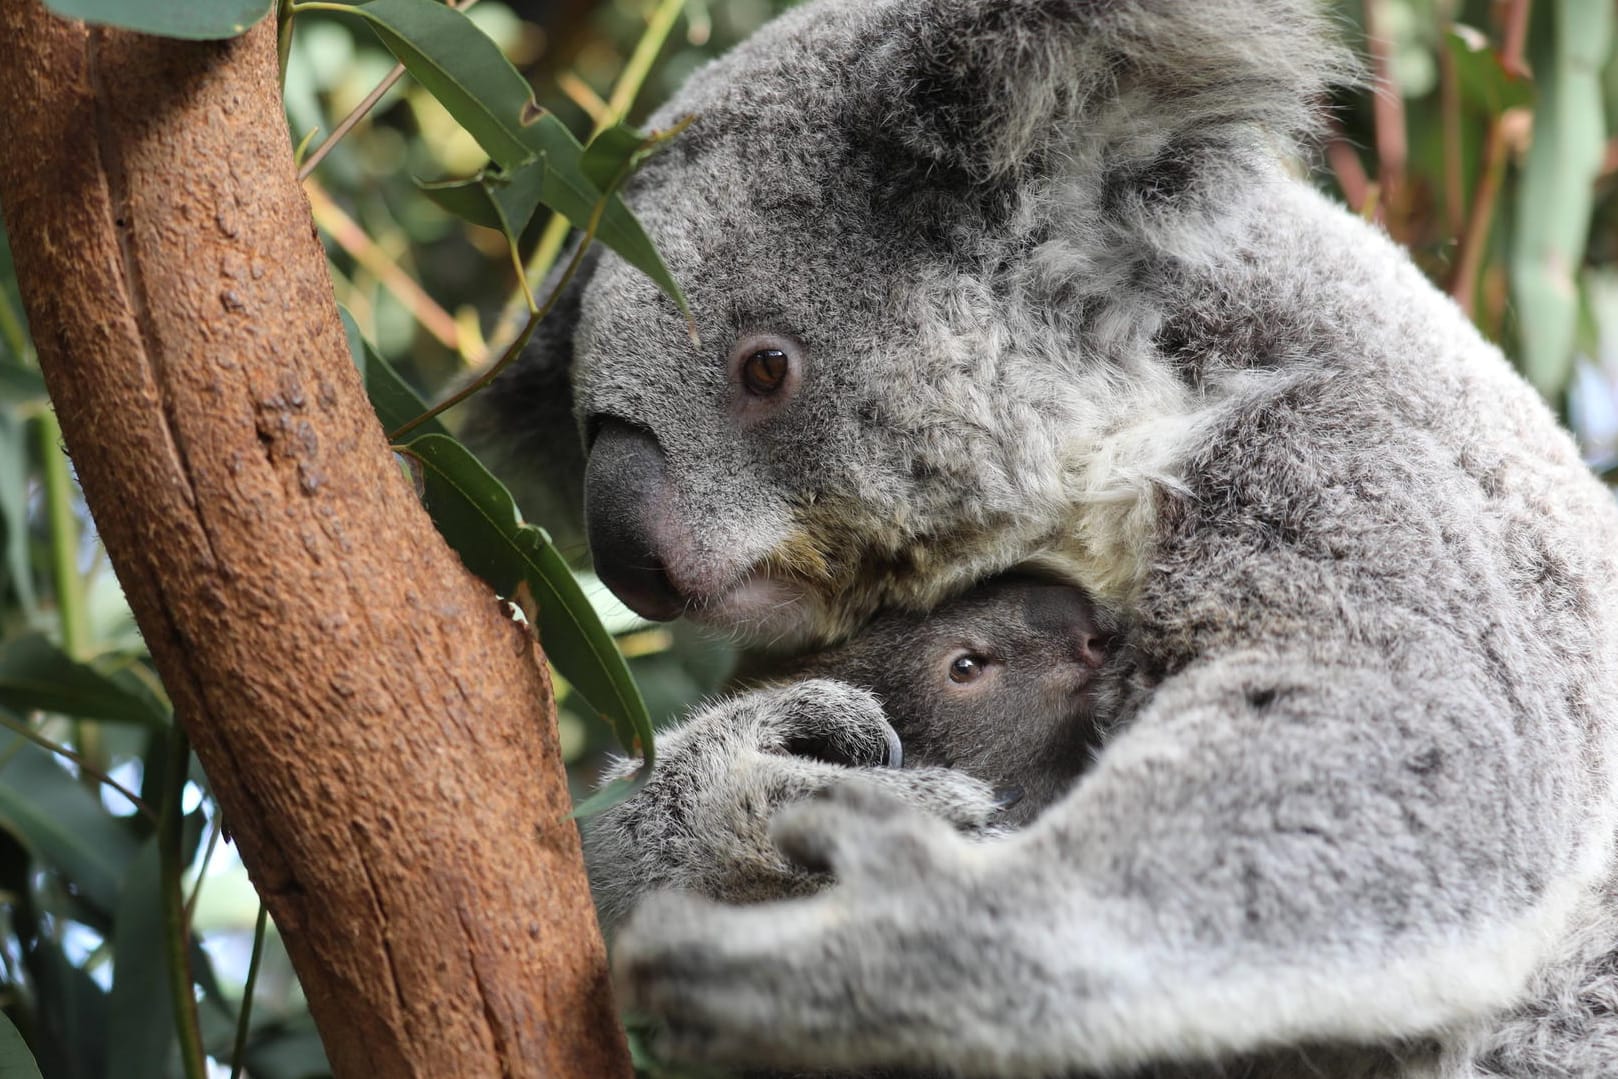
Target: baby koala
pixel 1013 683
pixel 981 713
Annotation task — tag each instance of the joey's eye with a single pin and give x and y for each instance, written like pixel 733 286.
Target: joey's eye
pixel 764 372
pixel 967 668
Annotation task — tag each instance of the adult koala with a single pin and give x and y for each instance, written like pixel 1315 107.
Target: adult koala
pixel 997 283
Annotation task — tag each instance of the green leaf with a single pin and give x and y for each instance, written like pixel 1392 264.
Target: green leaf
pixel 612 154
pixel 140 1014
pixel 460 66
pixel 36 675
pixel 396 404
pixel 1555 197
pixel 63 825
pixel 570 192
pixel 194 19
pixel 506 199
pixel 1483 78
pixel 20 385
pixel 16 1062
pixel 14 506
pixel 478 518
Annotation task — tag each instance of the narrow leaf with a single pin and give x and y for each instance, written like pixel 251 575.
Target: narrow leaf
pixel 35 675
pixel 460 66
pixel 16 1062
pixel 396 404
pixel 1483 79
pixel 611 154
pixel 194 19
pixel 14 506
pixel 140 1015
pixel 479 519
pixel 63 825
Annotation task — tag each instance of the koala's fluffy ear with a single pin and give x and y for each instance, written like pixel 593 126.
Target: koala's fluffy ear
pixel 995 88
pixel 523 427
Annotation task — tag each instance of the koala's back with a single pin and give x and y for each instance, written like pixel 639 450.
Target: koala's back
pixel 1410 504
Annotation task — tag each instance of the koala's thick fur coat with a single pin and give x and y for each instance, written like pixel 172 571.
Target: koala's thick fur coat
pixel 1051 299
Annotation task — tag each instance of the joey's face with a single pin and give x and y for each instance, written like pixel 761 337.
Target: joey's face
pixel 1008 682
pixel 846 434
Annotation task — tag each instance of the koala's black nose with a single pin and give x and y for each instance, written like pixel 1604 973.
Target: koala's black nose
pixel 622 484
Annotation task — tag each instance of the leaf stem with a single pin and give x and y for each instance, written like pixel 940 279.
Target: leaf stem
pixel 618 103
pixel 367 103
pixel 214 828
pixel 62 751
pixel 64 532
pixel 536 316
pixel 169 832
pixel 238 1052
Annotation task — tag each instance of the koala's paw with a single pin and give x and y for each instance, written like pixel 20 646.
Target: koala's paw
pixel 855 977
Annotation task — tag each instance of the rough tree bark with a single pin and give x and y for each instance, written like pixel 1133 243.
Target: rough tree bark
pixel 378 733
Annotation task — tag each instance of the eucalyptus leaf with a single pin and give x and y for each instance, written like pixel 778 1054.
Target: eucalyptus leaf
pixel 14 505
pixel 37 675
pixel 460 66
pixel 140 1015
pixel 1483 79
pixel 194 19
pixel 64 825
pixel 478 518
pixel 395 403
pixel 16 1062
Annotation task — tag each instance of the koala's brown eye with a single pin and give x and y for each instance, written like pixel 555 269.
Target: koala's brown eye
pixel 966 669
pixel 764 372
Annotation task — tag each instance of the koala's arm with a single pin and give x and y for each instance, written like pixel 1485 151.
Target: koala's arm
pixel 701 825
pixel 1361 806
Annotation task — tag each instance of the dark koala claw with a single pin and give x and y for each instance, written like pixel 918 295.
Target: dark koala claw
pixel 1006 797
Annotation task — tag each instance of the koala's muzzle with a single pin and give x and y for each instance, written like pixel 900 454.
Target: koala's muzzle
pixel 622 486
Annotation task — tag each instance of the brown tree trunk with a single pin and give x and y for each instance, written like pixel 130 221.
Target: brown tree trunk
pixel 376 730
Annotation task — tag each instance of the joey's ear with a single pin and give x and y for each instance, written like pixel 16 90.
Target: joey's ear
pixel 522 425
pixel 998 88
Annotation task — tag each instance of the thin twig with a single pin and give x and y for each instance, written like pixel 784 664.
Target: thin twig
pixel 1345 164
pixel 358 112
pixel 238 1053
pixel 624 91
pixel 1507 130
pixel 1388 118
pixel 214 828
pixel 62 751
pixel 1514 39
pixel 358 243
pixel 1449 113
pixel 169 831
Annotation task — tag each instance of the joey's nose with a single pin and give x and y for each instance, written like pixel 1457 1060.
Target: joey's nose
pixel 623 483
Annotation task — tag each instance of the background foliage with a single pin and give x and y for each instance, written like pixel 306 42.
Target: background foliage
pixel 1486 147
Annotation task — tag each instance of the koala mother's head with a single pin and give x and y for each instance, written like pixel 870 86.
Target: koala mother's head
pixel 926 244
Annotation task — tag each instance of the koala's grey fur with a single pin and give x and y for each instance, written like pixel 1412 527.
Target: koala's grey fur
pixel 1060 305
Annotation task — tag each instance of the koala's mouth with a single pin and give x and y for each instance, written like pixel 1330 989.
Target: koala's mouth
pixel 760 605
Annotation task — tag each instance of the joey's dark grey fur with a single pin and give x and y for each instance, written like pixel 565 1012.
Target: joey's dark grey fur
pixel 1051 299
pixel 986 755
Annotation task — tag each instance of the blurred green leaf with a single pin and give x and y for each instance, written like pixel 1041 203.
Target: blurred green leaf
pixel 1555 198
pixel 140 1013
pixel 20 385
pixel 37 675
pixel 479 519
pixel 16 1062
pixel 460 66
pixel 1483 79
pixel 70 1015
pixel 194 19
pixel 64 825
pixel 14 505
